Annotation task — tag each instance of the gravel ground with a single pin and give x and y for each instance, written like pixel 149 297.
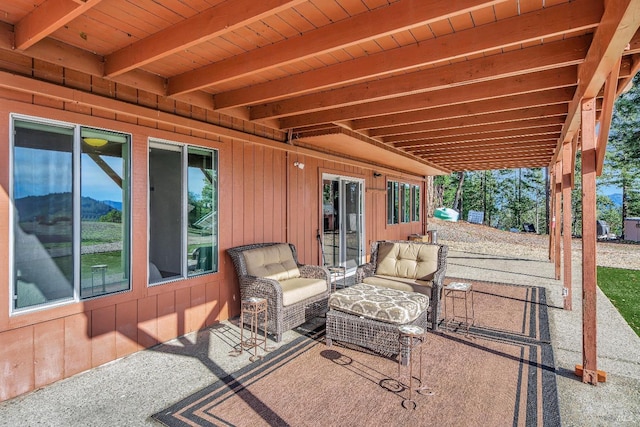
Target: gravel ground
pixel 477 238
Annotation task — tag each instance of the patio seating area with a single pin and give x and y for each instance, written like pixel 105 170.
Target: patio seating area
pixel 160 377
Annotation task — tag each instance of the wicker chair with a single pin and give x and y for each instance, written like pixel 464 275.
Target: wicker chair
pixel 281 318
pixel 435 293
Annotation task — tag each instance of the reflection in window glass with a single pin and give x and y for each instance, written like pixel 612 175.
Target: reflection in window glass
pixel 406 203
pixel 71 219
pixel 416 203
pixel 165 212
pixel 104 259
pixel 393 203
pixel 43 216
pixel 201 211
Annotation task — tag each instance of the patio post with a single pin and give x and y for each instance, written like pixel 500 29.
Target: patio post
pixel 551 199
pixel 589 273
pixel 567 186
pixel 557 204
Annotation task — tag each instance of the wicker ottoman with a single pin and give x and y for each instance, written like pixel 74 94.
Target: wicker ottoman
pixel 369 316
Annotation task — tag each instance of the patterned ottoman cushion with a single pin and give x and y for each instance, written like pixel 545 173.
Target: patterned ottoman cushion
pixel 383 304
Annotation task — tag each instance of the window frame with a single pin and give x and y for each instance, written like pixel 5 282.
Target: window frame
pixel 393 202
pixel 76 225
pixel 183 148
pixel 405 211
pixel 405 203
pixel 415 202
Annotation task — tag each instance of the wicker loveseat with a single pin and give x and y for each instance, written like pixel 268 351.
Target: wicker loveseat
pixel 408 266
pixel 295 293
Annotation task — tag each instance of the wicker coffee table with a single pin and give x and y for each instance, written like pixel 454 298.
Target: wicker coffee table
pixel 362 329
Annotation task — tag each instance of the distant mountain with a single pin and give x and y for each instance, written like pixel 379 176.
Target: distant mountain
pixel 56 207
pixel 115 205
pixel 616 199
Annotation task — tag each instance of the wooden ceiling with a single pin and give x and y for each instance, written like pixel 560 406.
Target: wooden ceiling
pixel 445 84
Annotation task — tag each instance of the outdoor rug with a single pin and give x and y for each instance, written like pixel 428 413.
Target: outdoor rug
pixel 499 374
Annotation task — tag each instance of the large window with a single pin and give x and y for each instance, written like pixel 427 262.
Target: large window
pixel 183 211
pixel 70 192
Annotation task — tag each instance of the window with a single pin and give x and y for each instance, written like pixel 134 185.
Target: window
pixel 70 191
pixel 403 202
pixel 393 202
pixel 183 211
pixel 406 203
pixel 415 213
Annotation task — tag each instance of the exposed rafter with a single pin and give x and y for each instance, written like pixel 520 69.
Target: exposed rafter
pixel 47 18
pixel 501 34
pixel 359 28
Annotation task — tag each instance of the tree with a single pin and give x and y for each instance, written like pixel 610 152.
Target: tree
pixel 444 189
pixel 622 161
pixel 457 202
pixel 113 215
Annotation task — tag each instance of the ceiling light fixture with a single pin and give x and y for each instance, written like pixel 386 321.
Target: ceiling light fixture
pixel 95 142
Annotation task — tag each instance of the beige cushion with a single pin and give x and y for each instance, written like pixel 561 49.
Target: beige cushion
pixel 272 262
pixel 407 260
pixel 298 289
pixel 401 284
pixel 383 304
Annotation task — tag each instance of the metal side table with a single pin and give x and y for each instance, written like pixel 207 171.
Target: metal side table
pixel 459 291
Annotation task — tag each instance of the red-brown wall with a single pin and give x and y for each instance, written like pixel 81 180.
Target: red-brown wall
pixel 263 197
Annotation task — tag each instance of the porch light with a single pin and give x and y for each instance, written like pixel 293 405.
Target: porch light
pixel 299 165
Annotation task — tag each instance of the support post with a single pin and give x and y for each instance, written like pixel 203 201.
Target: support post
pixel 567 172
pixel 589 239
pixel 550 188
pixel 557 204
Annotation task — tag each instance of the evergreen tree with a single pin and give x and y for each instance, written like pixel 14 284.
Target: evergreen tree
pixel 622 161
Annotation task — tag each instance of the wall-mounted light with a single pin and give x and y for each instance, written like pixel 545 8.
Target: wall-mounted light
pixel 377 174
pixel 299 165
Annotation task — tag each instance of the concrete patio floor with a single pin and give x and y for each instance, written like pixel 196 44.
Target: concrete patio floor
pixel 129 390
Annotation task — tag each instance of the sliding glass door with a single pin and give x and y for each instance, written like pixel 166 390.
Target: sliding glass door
pixel 343 221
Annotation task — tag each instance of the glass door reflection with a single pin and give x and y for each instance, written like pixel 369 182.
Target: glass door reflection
pixel 343 224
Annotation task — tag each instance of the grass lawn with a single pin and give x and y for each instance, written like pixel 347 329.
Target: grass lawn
pixel 622 287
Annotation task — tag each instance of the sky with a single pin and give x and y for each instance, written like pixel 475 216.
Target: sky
pixel 44 172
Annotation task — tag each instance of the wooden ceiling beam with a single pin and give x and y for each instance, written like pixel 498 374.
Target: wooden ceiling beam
pixel 213 22
pixel 546 147
pixel 523 127
pixel 46 18
pixel 453 162
pixel 360 28
pixel 422 103
pixel 506 118
pixel 481 139
pixel 534 26
pixel 527 61
pixel 619 25
pixel 517 152
pixel 487 106
pixel 480 145
pixel 73 58
pixel 488 165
